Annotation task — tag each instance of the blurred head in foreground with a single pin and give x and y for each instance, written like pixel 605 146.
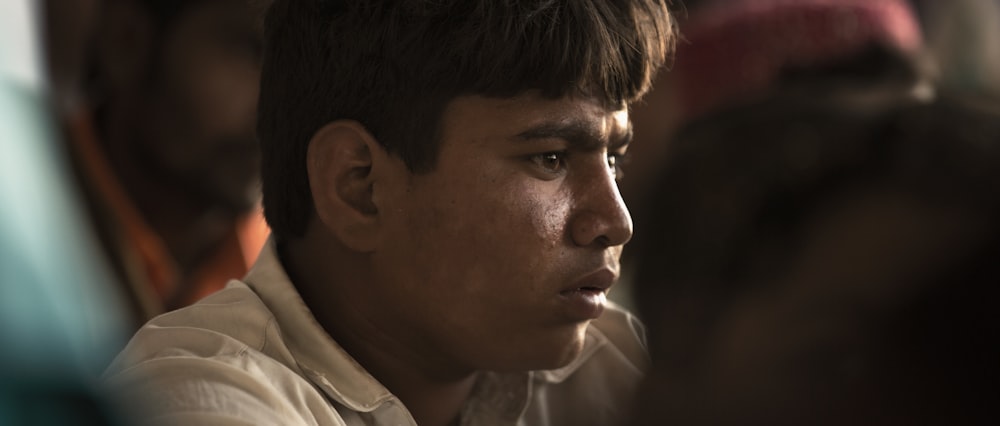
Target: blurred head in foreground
pixel 815 262
pixel 736 51
pixel 178 95
pixel 166 148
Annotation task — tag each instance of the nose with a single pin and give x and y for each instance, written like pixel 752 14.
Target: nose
pixel 601 217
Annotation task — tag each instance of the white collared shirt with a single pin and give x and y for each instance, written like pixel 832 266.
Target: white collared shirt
pixel 254 354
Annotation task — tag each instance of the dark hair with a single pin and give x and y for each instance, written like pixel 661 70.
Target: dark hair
pixel 394 65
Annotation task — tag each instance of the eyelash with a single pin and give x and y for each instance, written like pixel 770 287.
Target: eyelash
pixel 615 163
pixel 541 159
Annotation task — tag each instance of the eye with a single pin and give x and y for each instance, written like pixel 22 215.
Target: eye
pixel 551 162
pixel 615 163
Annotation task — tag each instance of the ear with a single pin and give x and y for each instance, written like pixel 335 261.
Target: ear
pixel 340 163
pixel 124 44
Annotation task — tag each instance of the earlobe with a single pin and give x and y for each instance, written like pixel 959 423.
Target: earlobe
pixel 340 162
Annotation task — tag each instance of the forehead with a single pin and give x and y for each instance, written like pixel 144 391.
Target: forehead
pixel 486 117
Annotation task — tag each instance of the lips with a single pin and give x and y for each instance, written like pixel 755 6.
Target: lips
pixel 585 298
pixel 599 281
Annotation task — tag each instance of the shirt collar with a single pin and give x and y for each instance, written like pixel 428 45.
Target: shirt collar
pixel 321 359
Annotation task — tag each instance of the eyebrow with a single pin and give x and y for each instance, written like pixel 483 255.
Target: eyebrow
pixel 580 134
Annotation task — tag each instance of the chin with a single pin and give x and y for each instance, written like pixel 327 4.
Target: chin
pixel 559 351
pixel 543 350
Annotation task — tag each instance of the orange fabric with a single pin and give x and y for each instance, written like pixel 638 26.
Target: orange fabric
pixel 231 260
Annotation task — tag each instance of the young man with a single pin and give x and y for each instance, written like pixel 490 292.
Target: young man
pixel 167 153
pixel 440 180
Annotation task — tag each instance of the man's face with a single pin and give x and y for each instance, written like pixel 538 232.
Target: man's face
pixel 500 257
pixel 200 104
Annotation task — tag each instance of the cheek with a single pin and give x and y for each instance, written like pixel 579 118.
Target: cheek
pixel 513 231
pixel 522 219
pixel 553 221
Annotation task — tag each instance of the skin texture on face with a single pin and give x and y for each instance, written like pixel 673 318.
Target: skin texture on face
pixel 199 107
pixel 479 256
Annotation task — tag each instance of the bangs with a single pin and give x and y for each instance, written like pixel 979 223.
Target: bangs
pixel 608 50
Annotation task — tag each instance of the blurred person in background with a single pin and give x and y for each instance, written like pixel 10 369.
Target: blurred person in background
pixel 734 51
pixel 166 151
pixel 824 260
pixel 61 314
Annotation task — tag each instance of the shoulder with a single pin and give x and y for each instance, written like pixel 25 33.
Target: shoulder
pixel 226 322
pixel 219 361
pixel 224 389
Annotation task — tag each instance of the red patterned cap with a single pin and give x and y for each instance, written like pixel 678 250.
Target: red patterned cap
pixel 735 47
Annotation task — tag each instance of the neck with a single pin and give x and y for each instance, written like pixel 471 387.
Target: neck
pixel 432 389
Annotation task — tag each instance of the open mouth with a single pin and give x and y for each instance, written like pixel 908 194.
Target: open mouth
pixel 586 289
pixel 593 284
